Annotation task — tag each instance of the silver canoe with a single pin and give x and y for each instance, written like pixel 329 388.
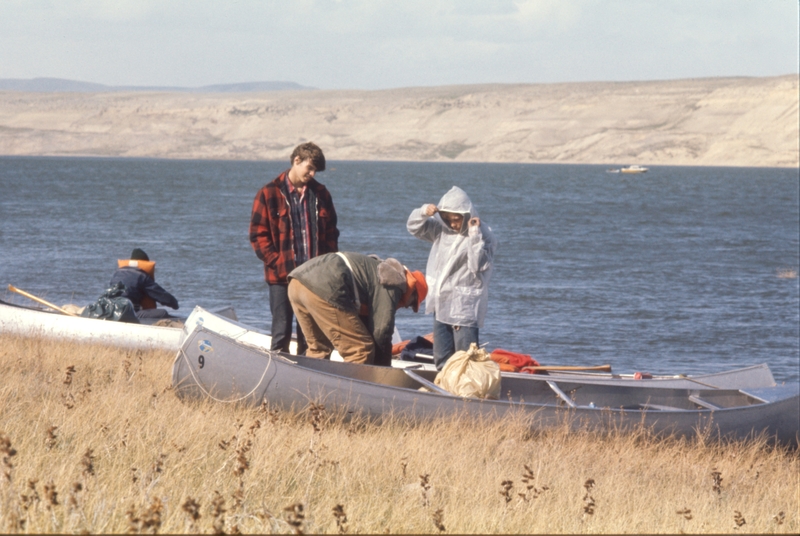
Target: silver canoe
pixel 210 365
pixel 28 321
pixel 747 377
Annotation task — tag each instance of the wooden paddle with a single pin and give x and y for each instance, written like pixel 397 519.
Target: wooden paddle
pixel 600 368
pixel 12 288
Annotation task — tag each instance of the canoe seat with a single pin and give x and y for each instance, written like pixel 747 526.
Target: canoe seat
pixel 426 383
pixel 703 403
pixel 657 407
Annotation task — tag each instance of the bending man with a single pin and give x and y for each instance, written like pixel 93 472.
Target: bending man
pixel 348 301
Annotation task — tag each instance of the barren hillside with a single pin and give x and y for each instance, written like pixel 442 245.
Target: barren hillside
pixel 714 121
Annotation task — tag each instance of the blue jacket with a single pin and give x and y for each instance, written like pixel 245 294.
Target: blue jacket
pixel 138 284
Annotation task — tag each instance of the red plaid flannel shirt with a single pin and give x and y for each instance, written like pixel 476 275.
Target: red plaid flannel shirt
pixel 271 233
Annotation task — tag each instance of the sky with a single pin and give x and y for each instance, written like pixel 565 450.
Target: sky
pixel 383 44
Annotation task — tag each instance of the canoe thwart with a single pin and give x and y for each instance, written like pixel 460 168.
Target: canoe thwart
pixel 703 403
pixel 426 383
pixel 561 394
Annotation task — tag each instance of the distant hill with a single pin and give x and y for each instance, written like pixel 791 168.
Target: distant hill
pixel 60 85
pixel 696 122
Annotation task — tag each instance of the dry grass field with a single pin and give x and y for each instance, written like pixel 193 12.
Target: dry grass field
pixel 93 440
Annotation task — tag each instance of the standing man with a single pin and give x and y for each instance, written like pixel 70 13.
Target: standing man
pixel 459 267
pixel 293 220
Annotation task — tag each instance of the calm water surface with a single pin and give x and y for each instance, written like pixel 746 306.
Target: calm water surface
pixel 681 269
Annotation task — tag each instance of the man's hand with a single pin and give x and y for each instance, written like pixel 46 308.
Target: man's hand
pixel 429 210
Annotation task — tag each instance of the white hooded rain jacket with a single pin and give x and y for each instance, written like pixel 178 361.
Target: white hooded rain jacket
pixel 460 263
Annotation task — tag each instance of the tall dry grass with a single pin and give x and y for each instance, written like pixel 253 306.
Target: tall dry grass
pixel 92 439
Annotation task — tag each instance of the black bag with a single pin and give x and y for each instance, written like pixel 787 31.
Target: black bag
pixel 416 345
pixel 112 305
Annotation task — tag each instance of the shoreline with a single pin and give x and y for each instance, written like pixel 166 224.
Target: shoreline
pixel 331 162
pixel 725 122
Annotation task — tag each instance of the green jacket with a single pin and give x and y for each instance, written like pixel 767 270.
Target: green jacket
pixel 379 284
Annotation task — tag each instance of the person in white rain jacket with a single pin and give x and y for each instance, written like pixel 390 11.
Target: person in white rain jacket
pixel 458 271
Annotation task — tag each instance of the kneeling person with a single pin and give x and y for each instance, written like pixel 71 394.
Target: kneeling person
pixel 138 276
pixel 348 301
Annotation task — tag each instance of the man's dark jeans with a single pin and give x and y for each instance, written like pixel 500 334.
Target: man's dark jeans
pixel 282 317
pixel 448 339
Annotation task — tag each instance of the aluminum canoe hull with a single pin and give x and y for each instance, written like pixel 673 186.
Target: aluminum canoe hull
pixel 747 377
pixel 28 322
pixel 214 366
pixel 35 323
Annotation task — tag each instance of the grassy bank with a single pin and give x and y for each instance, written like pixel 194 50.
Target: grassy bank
pixel 93 439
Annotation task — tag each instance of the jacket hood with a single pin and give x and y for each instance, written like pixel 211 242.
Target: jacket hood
pixel 457 200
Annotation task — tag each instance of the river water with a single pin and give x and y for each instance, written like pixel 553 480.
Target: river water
pixel 679 270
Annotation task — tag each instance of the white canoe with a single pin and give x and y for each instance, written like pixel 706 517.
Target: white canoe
pixel 232 328
pixel 32 322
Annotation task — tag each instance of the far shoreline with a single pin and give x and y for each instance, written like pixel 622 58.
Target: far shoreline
pixel 726 122
pixel 332 161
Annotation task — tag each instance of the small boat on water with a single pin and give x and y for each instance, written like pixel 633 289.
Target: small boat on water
pixel 29 321
pixel 215 366
pixel 633 169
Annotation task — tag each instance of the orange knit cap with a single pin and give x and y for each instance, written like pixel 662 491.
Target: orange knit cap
pixel 415 281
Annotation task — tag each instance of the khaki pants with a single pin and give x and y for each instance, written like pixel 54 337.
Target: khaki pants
pixel 327 327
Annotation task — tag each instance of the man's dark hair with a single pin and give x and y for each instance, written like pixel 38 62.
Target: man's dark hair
pixel 309 151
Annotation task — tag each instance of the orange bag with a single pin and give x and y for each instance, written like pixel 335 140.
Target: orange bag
pixel 512 361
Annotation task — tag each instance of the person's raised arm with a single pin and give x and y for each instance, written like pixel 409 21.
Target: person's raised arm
pixel 421 224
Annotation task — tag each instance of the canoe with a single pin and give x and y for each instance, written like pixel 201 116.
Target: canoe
pixel 28 321
pixel 214 366
pixel 753 376
pixel 229 327
pixel 36 322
